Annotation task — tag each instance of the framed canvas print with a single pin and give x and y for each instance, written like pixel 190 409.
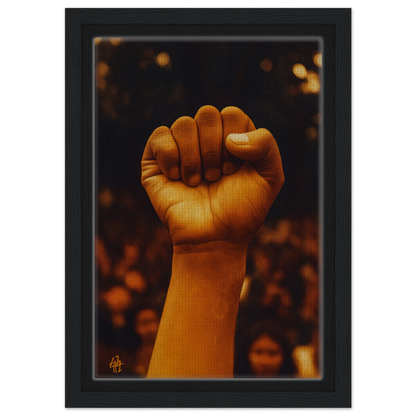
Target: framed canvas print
pixel 208 208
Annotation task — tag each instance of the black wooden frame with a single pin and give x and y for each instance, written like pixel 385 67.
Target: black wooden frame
pixel 334 27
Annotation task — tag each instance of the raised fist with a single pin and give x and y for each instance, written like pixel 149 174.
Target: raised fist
pixel 212 178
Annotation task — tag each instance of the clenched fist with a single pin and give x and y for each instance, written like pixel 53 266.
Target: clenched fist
pixel 212 178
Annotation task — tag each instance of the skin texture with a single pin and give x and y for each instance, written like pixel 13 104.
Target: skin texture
pixel 179 165
pixel 211 180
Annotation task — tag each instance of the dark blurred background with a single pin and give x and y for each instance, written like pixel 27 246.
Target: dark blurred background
pixel 143 85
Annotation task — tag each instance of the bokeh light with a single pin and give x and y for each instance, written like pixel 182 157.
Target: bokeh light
pixel 115 41
pixel 317 59
pixel 266 65
pixel 163 60
pixel 300 71
pixel 312 84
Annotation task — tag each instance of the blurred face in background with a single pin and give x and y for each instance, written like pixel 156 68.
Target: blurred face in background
pixel 147 325
pixel 265 357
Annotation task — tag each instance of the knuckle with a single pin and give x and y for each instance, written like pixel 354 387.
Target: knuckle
pixel 159 132
pixel 183 122
pixel 185 119
pixel 208 115
pixel 184 126
pixel 208 119
pixel 207 108
pixel 230 110
pixel 234 118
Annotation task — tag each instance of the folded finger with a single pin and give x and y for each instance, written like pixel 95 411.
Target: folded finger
pixel 209 123
pixel 185 133
pixel 162 147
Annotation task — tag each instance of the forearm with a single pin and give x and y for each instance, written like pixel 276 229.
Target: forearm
pixel 196 333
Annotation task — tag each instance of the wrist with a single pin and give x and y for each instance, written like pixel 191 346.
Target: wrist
pixel 226 247
pixel 210 261
pixel 196 333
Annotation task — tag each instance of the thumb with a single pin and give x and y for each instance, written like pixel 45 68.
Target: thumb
pixel 259 148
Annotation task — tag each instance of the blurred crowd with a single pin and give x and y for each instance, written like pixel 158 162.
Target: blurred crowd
pixel 278 331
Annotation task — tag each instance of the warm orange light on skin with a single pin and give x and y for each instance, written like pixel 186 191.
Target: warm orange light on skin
pixel 210 223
